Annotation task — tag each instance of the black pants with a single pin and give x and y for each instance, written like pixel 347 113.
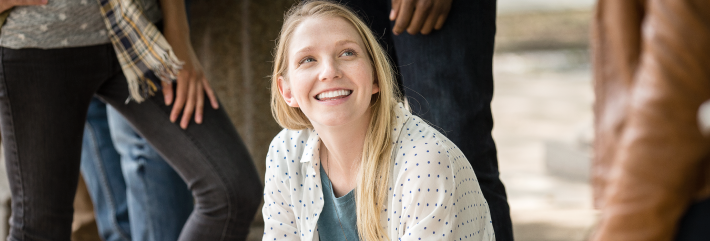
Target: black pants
pixel 693 225
pixel 447 77
pixel 44 96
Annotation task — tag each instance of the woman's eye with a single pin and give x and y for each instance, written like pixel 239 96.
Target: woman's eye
pixel 349 52
pixel 306 60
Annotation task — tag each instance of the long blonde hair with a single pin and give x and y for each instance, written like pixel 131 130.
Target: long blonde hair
pixel 371 192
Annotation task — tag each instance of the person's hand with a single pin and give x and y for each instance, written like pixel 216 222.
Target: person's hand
pixel 419 16
pixel 7 4
pixel 191 85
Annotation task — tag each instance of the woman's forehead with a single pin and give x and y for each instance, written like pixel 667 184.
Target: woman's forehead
pixel 316 32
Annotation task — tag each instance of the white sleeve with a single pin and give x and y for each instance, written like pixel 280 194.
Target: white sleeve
pixel 432 209
pixel 279 218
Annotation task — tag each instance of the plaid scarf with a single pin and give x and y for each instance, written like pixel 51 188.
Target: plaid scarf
pixel 145 56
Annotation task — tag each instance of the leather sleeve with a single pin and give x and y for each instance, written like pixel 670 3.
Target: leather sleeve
pixel 616 46
pixel 661 158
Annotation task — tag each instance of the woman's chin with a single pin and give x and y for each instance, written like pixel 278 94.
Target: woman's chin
pixel 344 116
pixel 335 120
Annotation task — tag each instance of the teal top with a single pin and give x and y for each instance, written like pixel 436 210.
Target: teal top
pixel 328 224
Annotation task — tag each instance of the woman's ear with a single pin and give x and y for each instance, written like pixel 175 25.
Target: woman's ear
pixel 285 90
pixel 375 87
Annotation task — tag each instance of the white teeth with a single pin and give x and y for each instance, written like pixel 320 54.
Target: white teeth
pixel 335 93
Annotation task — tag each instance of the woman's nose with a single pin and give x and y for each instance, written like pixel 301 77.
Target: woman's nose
pixel 330 71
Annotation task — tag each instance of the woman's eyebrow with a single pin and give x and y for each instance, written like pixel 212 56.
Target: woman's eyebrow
pixel 344 41
pixel 339 43
pixel 306 49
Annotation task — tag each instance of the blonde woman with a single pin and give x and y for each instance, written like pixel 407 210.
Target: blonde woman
pixel 353 163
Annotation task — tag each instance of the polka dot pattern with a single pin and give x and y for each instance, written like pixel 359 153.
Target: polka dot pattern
pixel 433 192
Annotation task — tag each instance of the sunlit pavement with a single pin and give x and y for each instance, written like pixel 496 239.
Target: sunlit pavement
pixel 544 97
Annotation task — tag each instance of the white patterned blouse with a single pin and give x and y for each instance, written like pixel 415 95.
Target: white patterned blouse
pixel 433 193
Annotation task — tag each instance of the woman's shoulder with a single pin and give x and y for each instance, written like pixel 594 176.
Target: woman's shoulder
pixel 418 136
pixel 429 167
pixel 432 178
pixel 288 139
pixel 421 147
pixel 287 149
pixel 422 151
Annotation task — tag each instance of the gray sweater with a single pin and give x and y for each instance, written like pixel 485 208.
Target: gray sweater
pixel 62 24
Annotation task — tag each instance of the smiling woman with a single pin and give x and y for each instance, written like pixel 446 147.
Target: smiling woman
pixel 353 163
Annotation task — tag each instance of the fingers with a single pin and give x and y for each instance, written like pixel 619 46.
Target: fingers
pixel 443 15
pixel 200 102
pixel 167 92
pixel 421 14
pixel 395 9
pixel 7 4
pixel 432 18
pixel 210 93
pixel 189 106
pixel 404 16
pixel 182 89
pixel 191 98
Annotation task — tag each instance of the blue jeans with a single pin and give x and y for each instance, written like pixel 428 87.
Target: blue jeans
pixel 136 194
pixel 44 98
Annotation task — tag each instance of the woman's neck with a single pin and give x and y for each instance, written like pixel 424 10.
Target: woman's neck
pixel 341 152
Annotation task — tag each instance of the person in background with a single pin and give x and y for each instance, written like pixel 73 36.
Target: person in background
pixel 136 194
pixel 55 57
pixel 443 54
pixel 651 172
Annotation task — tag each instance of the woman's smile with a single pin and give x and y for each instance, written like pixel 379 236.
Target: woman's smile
pixel 333 95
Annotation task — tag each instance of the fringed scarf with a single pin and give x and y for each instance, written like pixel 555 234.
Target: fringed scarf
pixel 145 56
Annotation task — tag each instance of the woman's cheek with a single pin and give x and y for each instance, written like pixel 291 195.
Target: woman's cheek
pixel 301 86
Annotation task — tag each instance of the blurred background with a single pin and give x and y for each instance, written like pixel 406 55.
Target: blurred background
pixel 542 111
pixel 542 106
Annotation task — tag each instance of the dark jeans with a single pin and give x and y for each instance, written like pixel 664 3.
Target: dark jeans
pixel 447 77
pixel 44 96
pixel 693 226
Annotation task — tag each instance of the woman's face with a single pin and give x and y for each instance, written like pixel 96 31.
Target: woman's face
pixel 330 76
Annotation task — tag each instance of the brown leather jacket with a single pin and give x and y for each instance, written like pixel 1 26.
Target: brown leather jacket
pixel 652 72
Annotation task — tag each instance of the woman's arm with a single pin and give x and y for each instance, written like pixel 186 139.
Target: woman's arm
pixel 439 193
pixel 7 4
pixel 279 218
pixel 191 82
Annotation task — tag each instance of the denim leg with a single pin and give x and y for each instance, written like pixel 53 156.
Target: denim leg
pixel 693 225
pixel 159 201
pixel 211 158
pixel 101 168
pixel 44 96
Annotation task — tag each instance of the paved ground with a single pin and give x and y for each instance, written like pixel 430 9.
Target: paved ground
pixel 540 98
pixel 517 6
pixel 542 108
